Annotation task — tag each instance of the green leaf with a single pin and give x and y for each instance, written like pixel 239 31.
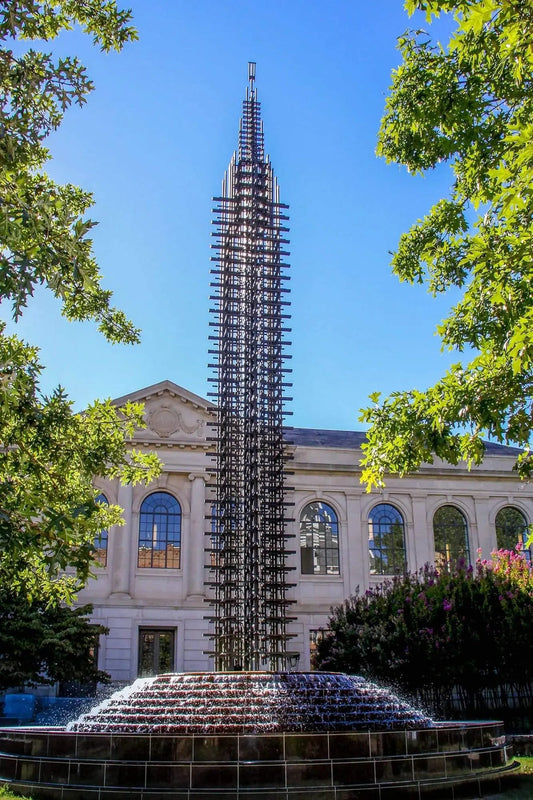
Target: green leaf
pixel 469 104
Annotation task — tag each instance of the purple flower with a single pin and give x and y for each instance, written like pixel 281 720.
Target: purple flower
pixel 446 604
pixel 422 596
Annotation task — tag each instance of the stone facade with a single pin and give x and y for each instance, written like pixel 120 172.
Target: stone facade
pixel 158 612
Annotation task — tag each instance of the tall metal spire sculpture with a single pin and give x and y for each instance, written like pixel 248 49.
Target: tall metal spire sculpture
pixel 248 536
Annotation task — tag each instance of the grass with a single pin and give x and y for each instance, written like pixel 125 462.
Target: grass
pixel 522 790
pixel 523 787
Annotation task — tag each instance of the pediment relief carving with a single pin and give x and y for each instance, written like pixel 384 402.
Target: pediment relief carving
pixel 170 418
pixel 166 420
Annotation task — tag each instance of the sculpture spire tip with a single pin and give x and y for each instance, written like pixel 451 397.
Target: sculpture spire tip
pixel 251 72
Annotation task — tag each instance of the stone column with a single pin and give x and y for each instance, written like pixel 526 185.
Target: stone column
pixel 485 539
pixel 422 541
pixel 197 536
pixel 124 539
pixel 356 564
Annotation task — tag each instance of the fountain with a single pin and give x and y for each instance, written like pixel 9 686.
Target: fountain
pixel 253 735
pixel 241 733
pixel 245 735
pixel 250 703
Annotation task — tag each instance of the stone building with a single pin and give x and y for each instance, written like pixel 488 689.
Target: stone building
pixel 149 590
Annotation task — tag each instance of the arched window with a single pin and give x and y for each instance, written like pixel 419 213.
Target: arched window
pixel 100 542
pixel 386 540
pixel 319 540
pixel 512 530
pixel 450 533
pixel 160 531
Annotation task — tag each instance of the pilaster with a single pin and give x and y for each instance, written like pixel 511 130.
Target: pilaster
pixel 122 543
pixel 195 575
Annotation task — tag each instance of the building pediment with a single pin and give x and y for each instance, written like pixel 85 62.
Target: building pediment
pixel 172 414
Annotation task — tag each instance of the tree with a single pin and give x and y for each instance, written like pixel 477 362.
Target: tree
pixel 49 516
pixel 49 455
pixel 468 105
pixel 43 234
pixel 41 644
pixel 460 632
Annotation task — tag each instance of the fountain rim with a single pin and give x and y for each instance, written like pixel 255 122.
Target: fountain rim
pixel 256 672
pixel 440 724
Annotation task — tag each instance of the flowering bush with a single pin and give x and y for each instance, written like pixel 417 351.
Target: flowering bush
pixel 465 634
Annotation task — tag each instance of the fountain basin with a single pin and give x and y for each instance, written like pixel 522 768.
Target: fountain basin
pixel 244 736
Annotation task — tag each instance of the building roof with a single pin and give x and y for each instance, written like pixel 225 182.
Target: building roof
pixel 352 440
pixel 316 437
pixel 495 449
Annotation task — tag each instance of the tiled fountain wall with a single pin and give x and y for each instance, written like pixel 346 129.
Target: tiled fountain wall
pixel 447 761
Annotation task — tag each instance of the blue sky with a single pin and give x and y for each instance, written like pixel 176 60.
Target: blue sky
pixel 152 144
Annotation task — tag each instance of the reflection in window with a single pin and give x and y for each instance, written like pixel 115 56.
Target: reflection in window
pixel 100 542
pixel 512 530
pixel 386 540
pixel 156 651
pixel 160 531
pixel 315 635
pixel 319 540
pixel 224 522
pixel 450 532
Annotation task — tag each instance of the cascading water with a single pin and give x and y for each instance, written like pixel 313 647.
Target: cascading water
pixel 250 702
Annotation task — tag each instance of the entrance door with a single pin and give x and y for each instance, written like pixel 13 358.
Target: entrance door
pixel 156 651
